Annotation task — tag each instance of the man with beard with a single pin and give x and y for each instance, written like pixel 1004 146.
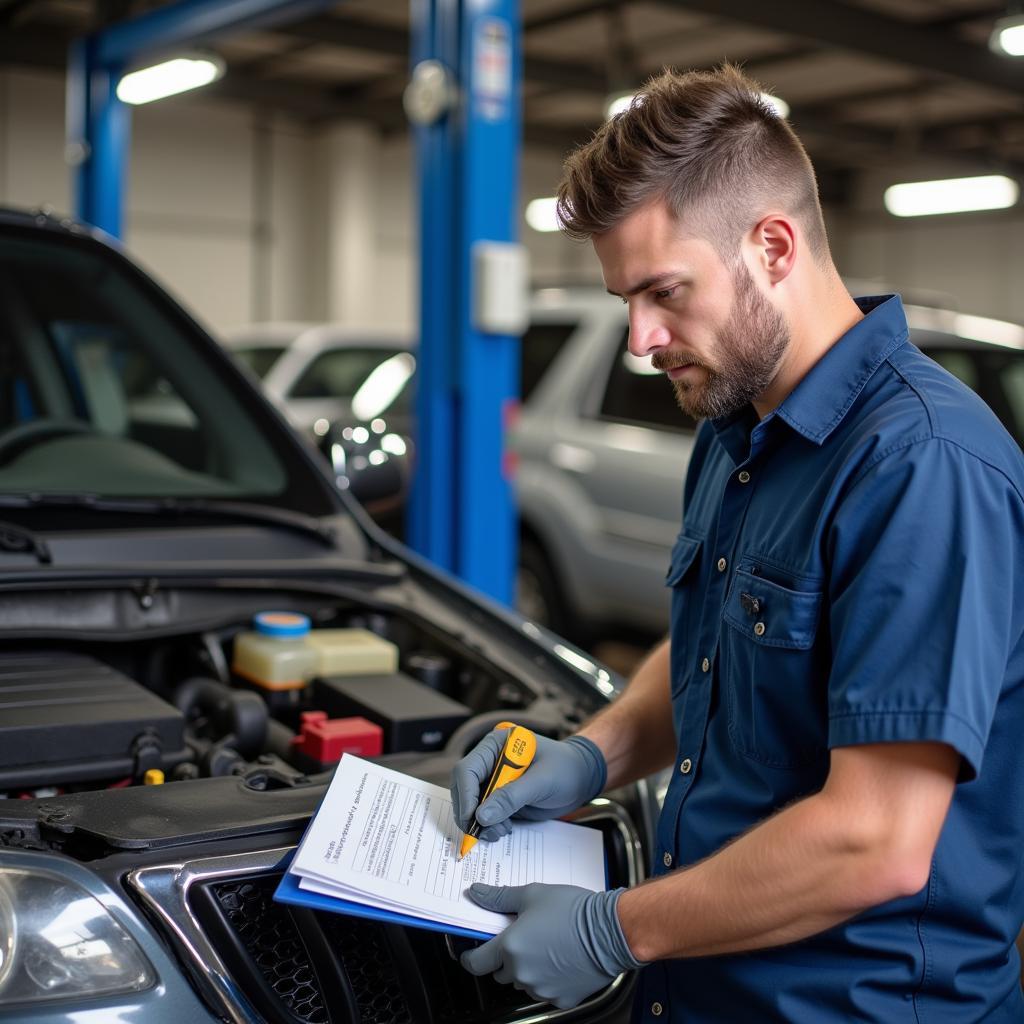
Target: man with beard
pixel 842 692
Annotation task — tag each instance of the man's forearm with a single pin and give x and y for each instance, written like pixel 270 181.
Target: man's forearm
pixel 635 733
pixel 861 841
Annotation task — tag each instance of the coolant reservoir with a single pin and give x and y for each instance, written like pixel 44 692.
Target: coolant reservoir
pixel 277 654
pixel 352 652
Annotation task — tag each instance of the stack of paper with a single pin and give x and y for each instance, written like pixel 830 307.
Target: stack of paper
pixel 385 845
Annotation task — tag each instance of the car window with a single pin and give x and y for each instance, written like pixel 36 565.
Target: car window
pixel 101 388
pixel 996 374
pixel 1014 382
pixel 340 372
pixel 259 358
pixel 540 344
pixel 637 393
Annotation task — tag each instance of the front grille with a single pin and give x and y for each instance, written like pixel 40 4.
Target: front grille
pixel 310 967
pixel 268 934
pixel 257 960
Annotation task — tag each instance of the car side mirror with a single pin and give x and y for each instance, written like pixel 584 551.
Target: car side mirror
pixel 376 468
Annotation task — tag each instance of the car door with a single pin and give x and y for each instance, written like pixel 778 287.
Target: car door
pixel 613 447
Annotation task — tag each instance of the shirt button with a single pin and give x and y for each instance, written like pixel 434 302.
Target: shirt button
pixel 686 765
pixel 722 563
pixel 759 629
pixel 657 1009
pixel 666 859
pixel 705 665
pixel 744 477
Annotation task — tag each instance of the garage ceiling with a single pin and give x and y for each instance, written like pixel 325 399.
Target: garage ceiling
pixel 866 82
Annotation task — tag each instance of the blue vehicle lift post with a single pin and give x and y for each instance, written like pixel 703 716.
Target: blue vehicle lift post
pixel 463 513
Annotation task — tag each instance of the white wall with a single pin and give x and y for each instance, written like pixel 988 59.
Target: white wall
pixel 974 261
pixel 249 218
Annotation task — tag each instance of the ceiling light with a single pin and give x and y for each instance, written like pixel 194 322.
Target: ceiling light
pixel 952 195
pixel 1008 35
pixel 542 214
pixel 622 102
pixel 168 79
pixel 618 104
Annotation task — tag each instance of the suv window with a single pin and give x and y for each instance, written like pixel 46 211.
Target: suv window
pixel 637 393
pixel 259 358
pixel 996 374
pixel 540 344
pixel 340 372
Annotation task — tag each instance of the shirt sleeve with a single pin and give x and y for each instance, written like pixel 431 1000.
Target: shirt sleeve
pixel 924 606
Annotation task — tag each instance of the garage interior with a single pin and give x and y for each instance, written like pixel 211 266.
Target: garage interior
pixel 356 209
pixel 294 174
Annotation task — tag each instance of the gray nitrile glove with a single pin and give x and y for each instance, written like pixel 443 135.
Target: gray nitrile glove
pixel 565 944
pixel 564 775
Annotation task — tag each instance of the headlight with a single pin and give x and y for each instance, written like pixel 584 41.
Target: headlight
pixel 58 942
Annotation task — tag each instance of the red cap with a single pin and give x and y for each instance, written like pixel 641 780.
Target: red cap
pixel 325 739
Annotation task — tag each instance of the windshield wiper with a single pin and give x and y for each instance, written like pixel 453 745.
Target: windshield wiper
pixel 18 539
pixel 236 511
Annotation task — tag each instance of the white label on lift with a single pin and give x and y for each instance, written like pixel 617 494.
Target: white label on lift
pixel 492 68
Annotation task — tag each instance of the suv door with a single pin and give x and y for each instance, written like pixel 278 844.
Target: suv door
pixel 603 450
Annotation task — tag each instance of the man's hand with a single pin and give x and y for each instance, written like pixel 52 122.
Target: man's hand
pixel 565 944
pixel 564 775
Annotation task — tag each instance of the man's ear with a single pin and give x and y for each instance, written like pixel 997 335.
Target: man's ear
pixel 775 242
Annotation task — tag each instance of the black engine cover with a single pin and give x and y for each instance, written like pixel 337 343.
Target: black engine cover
pixel 69 718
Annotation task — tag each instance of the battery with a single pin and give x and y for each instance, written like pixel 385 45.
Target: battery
pixel 413 716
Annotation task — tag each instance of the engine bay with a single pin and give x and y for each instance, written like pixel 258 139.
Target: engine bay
pixel 92 717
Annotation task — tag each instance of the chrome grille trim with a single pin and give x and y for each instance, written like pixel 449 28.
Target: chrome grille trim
pixel 164 891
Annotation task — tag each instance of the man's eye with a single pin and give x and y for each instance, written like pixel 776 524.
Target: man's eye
pixel 665 293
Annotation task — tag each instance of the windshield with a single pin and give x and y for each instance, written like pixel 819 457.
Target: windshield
pixel 106 389
pixel 259 358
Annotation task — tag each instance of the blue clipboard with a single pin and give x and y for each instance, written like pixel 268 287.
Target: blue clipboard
pixel 289 892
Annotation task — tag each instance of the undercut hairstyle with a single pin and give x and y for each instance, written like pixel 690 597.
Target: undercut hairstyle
pixel 711 147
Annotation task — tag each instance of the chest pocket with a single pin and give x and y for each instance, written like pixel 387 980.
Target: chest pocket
pixel 773 673
pixel 682 576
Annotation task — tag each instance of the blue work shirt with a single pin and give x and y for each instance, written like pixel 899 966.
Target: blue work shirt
pixel 851 570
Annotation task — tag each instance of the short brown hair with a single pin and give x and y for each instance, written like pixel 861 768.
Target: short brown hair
pixel 706 143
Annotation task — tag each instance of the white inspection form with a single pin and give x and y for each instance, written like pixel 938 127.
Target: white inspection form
pixel 388 840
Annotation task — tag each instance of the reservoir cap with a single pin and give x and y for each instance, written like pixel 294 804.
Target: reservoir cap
pixel 281 624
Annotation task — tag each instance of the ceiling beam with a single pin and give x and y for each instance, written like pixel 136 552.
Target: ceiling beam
pixel 357 34
pixel 571 13
pixel 38 47
pixel 858 29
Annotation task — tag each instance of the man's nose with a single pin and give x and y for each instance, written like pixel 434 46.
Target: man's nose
pixel 646 333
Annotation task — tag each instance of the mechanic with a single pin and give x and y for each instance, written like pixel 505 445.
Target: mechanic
pixel 841 696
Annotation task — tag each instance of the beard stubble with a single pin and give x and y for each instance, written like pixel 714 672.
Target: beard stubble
pixel 748 349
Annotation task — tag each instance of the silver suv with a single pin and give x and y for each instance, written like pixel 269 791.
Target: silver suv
pixel 603 449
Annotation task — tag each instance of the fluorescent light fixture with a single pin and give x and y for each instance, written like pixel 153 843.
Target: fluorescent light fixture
pixel 618 104
pixel 984 328
pixel 542 214
pixel 1008 36
pixel 168 79
pixel 951 195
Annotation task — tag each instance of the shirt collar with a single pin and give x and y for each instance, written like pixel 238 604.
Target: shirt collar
pixel 817 405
